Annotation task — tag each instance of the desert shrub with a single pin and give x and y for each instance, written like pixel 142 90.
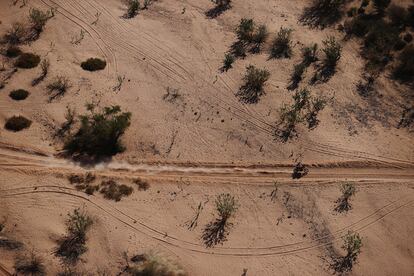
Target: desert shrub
pixel 83 182
pixel 404 70
pixel 332 50
pixel 220 7
pixel 44 65
pixel 111 190
pixel 228 62
pixel 238 49
pixel 310 54
pixel 72 245
pixel 99 133
pixel 153 265
pixel 352 244
pixel 358 26
pixel 254 81
pixel 58 87
pixel 142 184
pixel 348 190
pixel 29 264
pixel 365 87
pixel 70 119
pixel 407 118
pixel 381 5
pixel 132 8
pixel 93 64
pixel 259 37
pixel 17 123
pixel 378 44
pixel 13 51
pixel 296 76
pixel 282 44
pixel 216 232
pixel 19 94
pixel 322 13
pixel 9 244
pixel 38 20
pixel 16 34
pixel 245 30
pixel 27 61
pixel 316 106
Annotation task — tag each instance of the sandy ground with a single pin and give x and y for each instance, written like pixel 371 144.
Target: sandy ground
pixel 205 143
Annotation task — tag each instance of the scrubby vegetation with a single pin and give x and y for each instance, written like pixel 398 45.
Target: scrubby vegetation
pixel 133 7
pixel 19 94
pixel 352 244
pixel 228 62
pixel 309 56
pixel 142 184
pixel 13 51
pixel 112 190
pixel 44 65
pixel 348 190
pixel 220 7
pixel 282 44
pixel 305 108
pixel 84 182
pixel 29 264
pixel 15 35
pixel 27 61
pixel 299 171
pixel 332 51
pixel 152 265
pixel 254 80
pixel 58 87
pixel 99 133
pixel 404 69
pixel 93 64
pixel 70 119
pixel 216 231
pixel 323 13
pixel 17 123
pixel 38 21
pixel 73 244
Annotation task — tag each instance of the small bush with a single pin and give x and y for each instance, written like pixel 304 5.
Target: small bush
pixel 215 232
pixel 282 44
pixel 259 37
pixel 142 184
pixel 254 81
pixel 72 245
pixel 296 76
pixel 228 62
pixel 153 265
pixel 27 61
pixel 132 8
pixel 58 87
pixel 348 190
pixel 221 6
pixel 332 50
pixel 310 54
pixel 99 132
pixel 322 13
pixel 111 190
pixel 38 20
pixel 17 123
pixel 316 106
pixel 13 51
pixel 352 244
pixel 19 94
pixel 29 264
pixel 245 30
pixel 16 34
pixel 44 65
pixel 404 70
pixel 93 64
pixel 299 171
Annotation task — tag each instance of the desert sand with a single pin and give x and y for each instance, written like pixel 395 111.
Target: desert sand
pixel 203 143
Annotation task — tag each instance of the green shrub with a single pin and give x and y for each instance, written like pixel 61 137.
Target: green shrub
pixel 29 264
pixel 404 70
pixel 322 13
pixel 316 105
pixel 142 184
pixel 44 65
pixel 215 232
pixel 310 54
pixel 19 94
pixel 254 81
pixel 222 3
pixel 72 245
pixel 259 37
pixel 352 244
pixel 132 8
pixel 27 61
pixel 38 20
pixel 332 50
pixel 245 30
pixel 296 76
pixel 348 190
pixel 17 123
pixel 13 51
pixel 93 64
pixel 16 34
pixel 282 44
pixel 58 87
pixel 228 62
pixel 99 132
pixel 111 190
pixel 359 26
